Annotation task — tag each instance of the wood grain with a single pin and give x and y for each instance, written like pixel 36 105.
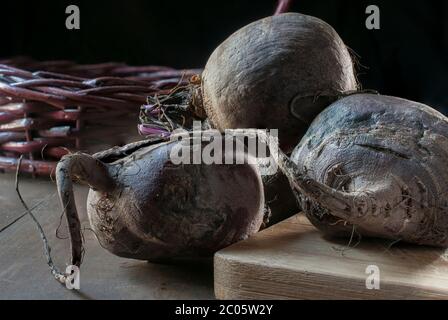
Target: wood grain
pixel 292 260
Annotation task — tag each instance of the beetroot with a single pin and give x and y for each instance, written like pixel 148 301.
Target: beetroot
pixel 375 165
pixel 277 73
pixel 142 206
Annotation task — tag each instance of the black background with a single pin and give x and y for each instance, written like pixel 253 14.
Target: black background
pixel 408 57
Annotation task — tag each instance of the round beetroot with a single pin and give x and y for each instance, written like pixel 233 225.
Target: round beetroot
pixel 142 206
pixel 278 72
pixel 375 165
pixel 275 73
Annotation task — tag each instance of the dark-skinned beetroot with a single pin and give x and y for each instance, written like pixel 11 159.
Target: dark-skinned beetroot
pixel 142 206
pixel 275 73
pixel 375 165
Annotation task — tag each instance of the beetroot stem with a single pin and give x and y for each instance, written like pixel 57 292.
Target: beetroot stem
pixel 283 6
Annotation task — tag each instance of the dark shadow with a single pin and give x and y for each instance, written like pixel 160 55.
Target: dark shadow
pixel 195 274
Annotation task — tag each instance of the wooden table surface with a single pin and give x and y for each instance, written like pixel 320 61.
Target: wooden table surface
pixel 292 260
pixel 25 275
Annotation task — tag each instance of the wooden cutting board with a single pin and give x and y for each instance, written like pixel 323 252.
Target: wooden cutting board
pixel 292 260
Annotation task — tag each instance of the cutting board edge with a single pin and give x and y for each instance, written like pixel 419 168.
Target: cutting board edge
pixel 228 276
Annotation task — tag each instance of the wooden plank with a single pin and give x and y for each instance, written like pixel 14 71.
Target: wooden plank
pixel 25 275
pixel 292 260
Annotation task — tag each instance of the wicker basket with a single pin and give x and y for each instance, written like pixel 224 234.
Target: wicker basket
pixel 48 109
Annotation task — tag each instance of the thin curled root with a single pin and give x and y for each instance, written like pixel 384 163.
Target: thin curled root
pixel 61 277
pixel 349 247
pixel 176 110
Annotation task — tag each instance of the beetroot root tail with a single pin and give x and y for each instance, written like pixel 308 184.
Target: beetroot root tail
pixel 83 168
pixel 343 205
